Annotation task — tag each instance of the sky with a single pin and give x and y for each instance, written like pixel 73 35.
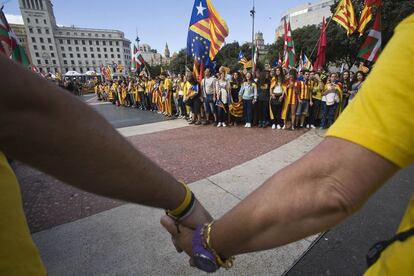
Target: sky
pixel 164 21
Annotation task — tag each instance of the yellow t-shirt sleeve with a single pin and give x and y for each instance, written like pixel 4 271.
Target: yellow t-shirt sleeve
pixel 381 118
pixel 18 253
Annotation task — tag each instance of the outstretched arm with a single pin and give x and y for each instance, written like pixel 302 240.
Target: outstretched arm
pixel 311 195
pixel 47 128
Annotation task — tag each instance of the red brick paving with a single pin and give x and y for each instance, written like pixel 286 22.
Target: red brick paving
pixel 190 154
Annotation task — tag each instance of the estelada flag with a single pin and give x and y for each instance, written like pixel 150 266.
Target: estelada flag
pixel 372 45
pixel 206 33
pixel 345 16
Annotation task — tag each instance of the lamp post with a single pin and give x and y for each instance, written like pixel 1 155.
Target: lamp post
pixel 252 14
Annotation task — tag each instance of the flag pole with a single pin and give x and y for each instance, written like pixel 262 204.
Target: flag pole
pixel 319 39
pixel 252 14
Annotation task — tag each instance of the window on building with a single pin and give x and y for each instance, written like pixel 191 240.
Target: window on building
pixel 28 20
pixel 82 34
pixel 119 56
pixel 92 55
pixel 44 21
pixel 93 62
pixel 104 42
pixel 104 49
pixel 91 49
pixel 98 49
pixel 87 63
pixel 39 61
pixel 49 40
pixel 39 31
pixel 90 42
pixel 69 48
pixel 77 49
pixel 83 42
pixel 63 55
pixel 118 50
pixel 71 55
pixel 37 54
pixel 68 33
pixel 37 21
pixel 103 35
pixel 47 31
pixel 89 34
pixel 80 62
pixel 110 43
pixel 41 40
pixel 78 55
pixel 76 42
pixel 85 55
pixel 35 47
pixel 46 61
pixel 43 47
pixel 112 56
pixel 110 35
pixel 68 41
pixel 66 69
pixel 81 70
pixel 65 62
pixel 111 49
pixel 52 54
pixel 72 62
pixel 84 49
pixel 61 41
pixel 106 55
pixel 96 35
pixel 75 33
pixel 99 55
pixel 54 62
pixel 97 42
pixel 62 48
pixel 31 30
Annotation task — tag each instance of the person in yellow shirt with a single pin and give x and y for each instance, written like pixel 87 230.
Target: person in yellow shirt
pixel 290 100
pixel 168 96
pixel 148 93
pixel 317 86
pixel 371 141
pixel 141 91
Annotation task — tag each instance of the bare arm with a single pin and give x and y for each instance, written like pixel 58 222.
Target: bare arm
pixel 313 194
pixel 57 133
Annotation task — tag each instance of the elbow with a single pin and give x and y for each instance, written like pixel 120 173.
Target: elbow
pixel 338 200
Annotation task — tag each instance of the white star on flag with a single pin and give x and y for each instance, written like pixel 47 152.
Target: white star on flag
pixel 200 9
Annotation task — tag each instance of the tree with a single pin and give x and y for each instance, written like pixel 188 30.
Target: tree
pixel 179 62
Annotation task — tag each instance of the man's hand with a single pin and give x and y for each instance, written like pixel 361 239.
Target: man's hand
pixel 183 240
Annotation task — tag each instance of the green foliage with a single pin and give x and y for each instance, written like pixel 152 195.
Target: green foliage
pixel 180 61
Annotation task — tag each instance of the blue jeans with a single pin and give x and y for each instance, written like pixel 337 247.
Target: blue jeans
pixel 209 105
pixel 248 110
pixel 328 114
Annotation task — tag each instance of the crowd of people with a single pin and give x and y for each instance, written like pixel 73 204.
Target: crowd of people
pixel 276 98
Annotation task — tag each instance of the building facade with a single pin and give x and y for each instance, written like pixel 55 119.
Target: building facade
pixel 260 43
pixel 152 57
pixel 62 49
pixel 304 15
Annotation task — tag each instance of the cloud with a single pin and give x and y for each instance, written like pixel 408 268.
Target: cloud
pixel 14 19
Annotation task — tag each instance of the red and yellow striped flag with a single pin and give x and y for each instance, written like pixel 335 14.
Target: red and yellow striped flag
pixel 345 16
pixel 366 17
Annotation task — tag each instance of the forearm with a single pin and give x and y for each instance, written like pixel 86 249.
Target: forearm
pixel 58 134
pixel 305 198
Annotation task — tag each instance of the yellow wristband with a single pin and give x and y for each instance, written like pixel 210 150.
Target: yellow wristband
pixel 187 200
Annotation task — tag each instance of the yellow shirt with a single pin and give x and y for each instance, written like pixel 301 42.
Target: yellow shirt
pixel 168 84
pixel 381 120
pixel 18 253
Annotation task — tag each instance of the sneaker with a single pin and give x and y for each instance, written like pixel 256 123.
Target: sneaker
pixel 313 127
pixel 284 127
pixel 191 122
pixel 260 125
pixel 197 123
pixel 279 127
pixel 219 125
pixel 223 125
pixel 246 125
pixel 273 126
pixel 249 125
pixel 293 128
pixel 308 126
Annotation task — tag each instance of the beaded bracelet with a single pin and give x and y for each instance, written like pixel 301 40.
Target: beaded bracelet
pixel 228 263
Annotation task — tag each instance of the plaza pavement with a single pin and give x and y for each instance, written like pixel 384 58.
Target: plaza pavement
pixel 128 240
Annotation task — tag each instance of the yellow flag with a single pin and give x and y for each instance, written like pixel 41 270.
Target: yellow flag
pixel 366 17
pixel 345 16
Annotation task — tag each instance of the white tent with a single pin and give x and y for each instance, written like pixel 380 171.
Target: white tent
pixel 72 74
pixel 91 73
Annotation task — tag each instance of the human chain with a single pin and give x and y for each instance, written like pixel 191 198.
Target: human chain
pixel 276 98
